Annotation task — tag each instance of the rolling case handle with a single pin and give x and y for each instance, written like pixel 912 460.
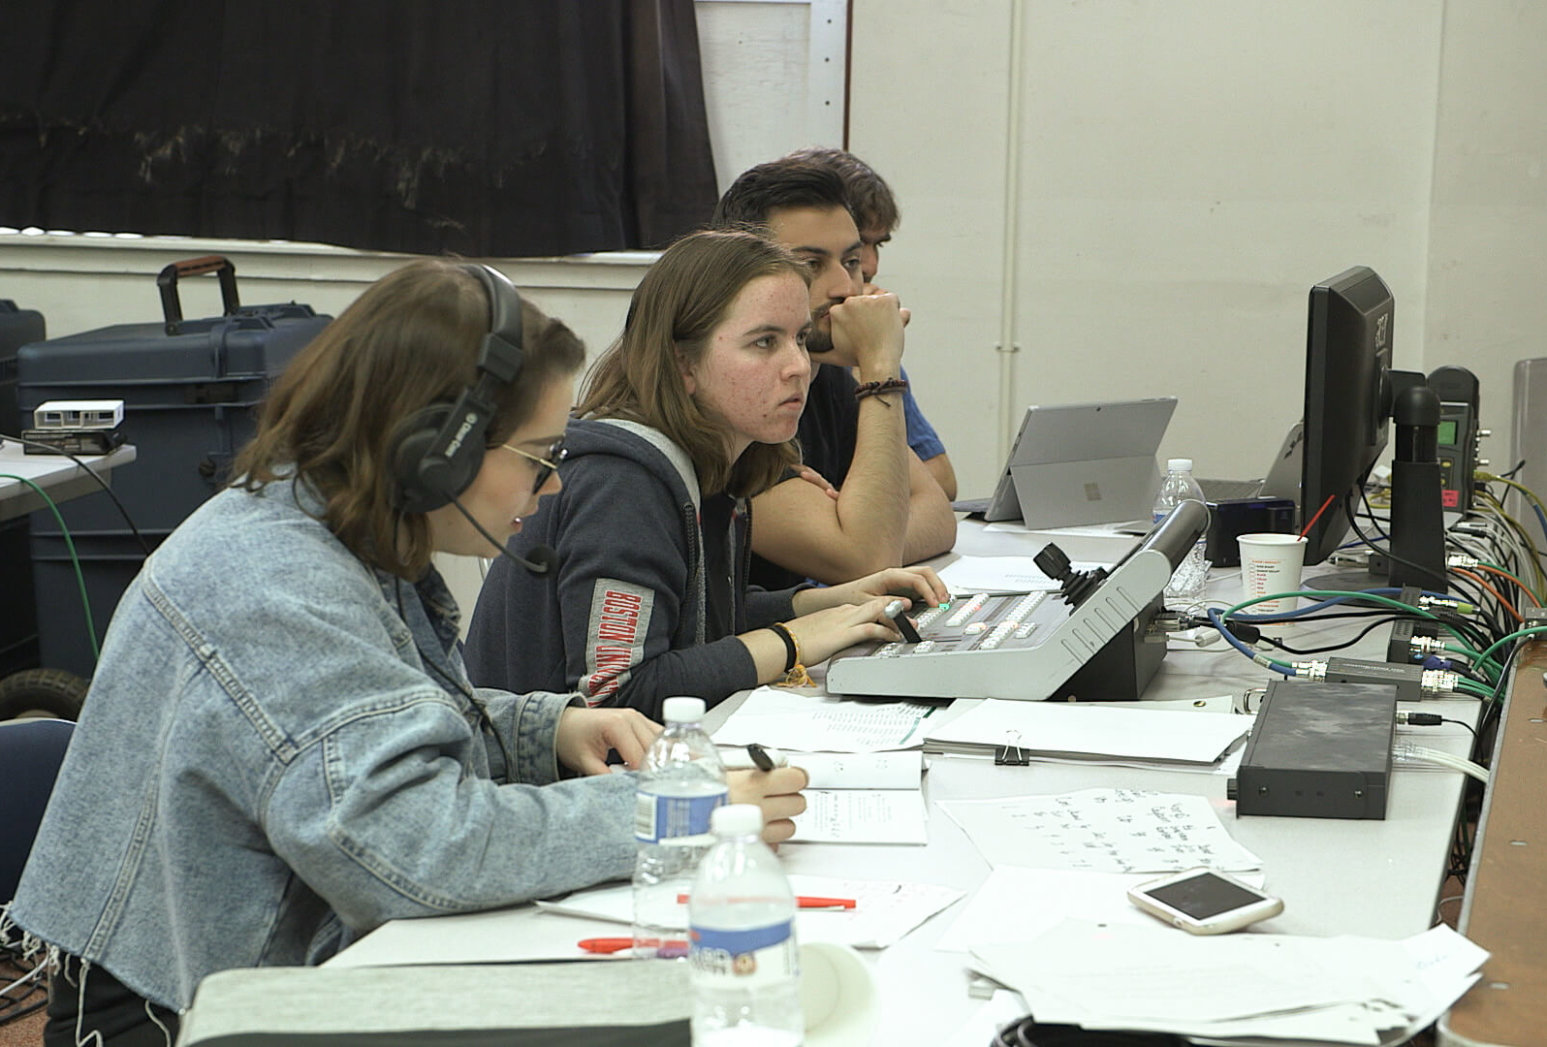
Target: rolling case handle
pixel 166 280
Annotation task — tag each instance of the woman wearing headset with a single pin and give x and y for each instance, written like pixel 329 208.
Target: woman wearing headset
pixel 280 749
pixel 689 414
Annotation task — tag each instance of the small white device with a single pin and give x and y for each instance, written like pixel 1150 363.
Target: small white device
pixel 78 414
pixel 1202 901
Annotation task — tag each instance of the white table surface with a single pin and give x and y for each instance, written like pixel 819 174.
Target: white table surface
pixel 1364 877
pixel 55 473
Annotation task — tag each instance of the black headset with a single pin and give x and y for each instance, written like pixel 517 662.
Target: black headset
pixel 443 445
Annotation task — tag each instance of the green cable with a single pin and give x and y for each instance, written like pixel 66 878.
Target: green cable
pixel 1488 665
pixel 1475 689
pixel 75 561
pixel 1324 594
pixel 1535 630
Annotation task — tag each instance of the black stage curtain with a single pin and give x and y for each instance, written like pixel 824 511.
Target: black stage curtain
pixel 507 128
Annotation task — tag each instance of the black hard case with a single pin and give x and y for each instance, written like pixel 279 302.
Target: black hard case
pixel 189 388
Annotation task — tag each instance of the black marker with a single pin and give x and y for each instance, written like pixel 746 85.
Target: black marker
pixel 760 757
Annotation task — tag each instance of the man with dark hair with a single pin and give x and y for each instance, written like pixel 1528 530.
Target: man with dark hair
pixel 885 508
pixel 877 214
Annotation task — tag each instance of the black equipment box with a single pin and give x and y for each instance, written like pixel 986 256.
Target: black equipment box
pixel 71 441
pixel 1229 518
pixel 1318 750
pixel 189 388
pixel 18 617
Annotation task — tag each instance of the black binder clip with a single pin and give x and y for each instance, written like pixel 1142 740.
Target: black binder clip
pixel 1011 754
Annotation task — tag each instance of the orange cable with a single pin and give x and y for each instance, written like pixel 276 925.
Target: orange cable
pixel 1505 574
pixel 1497 595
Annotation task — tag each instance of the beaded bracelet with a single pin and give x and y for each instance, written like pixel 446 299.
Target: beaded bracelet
pixel 795 674
pixel 889 385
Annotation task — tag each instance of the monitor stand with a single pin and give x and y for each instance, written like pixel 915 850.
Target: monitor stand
pixel 1353 579
pixel 1350 580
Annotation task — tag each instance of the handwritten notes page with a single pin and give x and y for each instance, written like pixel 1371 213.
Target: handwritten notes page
pixel 1101 830
pixel 862 798
pixel 808 722
pixel 886 770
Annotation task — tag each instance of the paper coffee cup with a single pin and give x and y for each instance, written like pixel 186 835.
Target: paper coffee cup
pixel 837 995
pixel 1271 563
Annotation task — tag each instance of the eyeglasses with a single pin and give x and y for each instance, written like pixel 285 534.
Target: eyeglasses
pixel 557 452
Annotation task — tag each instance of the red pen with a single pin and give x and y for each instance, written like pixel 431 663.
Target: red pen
pixel 612 945
pixel 804 902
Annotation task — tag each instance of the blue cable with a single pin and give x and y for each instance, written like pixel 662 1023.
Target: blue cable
pixel 1240 645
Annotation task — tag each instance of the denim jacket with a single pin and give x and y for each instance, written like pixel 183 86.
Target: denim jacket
pixel 273 760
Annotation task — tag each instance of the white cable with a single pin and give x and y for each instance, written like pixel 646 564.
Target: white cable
pixel 24 979
pixel 1423 754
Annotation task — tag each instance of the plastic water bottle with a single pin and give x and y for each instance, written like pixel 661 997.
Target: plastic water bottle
pixel 745 962
pixel 681 783
pixel 1190 579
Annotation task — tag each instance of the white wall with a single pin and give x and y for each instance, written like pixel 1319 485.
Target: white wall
pixel 1487 265
pixel 1186 170
pixel 773 77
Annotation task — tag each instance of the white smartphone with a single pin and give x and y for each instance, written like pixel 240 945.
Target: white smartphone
pixel 1202 901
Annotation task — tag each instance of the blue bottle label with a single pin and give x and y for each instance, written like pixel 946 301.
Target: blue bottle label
pixel 684 819
pixel 746 958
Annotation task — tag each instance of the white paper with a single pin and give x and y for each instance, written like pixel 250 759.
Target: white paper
pixel 819 723
pixel 1122 529
pixel 1005 574
pixel 862 816
pixel 1016 905
pixel 884 910
pixel 1101 830
pixel 901 769
pixel 1342 989
pixel 1079 728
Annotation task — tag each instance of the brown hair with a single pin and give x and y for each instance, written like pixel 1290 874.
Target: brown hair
pixel 336 414
pixel 675 309
pixel 779 185
pixel 870 198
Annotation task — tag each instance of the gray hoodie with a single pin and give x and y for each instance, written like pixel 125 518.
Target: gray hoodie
pixel 621 619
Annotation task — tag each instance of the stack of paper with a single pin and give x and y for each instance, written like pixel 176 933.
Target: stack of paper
pixel 1070 731
pixel 1233 986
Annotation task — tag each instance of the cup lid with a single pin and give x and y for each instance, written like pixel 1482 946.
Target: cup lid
pixel 682 710
pixel 737 819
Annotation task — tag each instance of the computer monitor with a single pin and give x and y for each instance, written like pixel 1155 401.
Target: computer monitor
pixel 1347 400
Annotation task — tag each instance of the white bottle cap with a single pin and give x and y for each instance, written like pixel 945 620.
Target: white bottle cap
pixel 1178 465
pixel 682 710
pixel 738 819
